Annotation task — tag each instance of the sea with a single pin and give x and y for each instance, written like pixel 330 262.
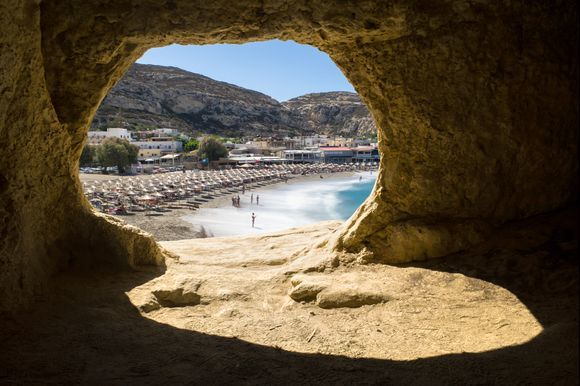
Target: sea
pixel 284 206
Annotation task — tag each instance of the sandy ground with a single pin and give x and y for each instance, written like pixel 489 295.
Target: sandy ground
pixel 171 225
pixel 272 310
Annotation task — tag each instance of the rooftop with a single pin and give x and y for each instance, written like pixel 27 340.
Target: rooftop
pixel 335 148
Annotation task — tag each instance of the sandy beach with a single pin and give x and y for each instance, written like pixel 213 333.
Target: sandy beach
pixel 303 201
pixel 218 217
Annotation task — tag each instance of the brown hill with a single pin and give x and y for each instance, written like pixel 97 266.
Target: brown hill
pixel 156 96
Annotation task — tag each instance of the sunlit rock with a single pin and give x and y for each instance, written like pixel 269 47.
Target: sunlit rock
pixel 476 105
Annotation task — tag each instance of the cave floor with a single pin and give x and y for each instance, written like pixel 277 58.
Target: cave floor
pixel 222 314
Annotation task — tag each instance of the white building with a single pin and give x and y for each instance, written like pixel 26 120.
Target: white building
pixel 163 144
pixel 97 137
pixel 309 156
pixel 315 140
pixel 309 141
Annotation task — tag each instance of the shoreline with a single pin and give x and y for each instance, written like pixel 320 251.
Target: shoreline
pixel 177 224
pixel 301 202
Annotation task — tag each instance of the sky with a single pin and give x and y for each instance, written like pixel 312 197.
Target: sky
pixel 282 70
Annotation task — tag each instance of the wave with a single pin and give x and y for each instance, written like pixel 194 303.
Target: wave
pixel 287 206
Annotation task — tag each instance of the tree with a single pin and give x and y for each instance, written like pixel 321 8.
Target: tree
pixel 212 148
pixel 191 145
pixel 88 155
pixel 117 152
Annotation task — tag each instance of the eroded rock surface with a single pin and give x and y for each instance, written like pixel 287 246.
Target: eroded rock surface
pixel 373 310
pixel 476 105
pixel 346 290
pixel 334 113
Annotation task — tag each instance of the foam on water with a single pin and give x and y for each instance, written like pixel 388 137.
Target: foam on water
pixel 287 206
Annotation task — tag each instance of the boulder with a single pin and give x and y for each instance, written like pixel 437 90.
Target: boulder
pixel 177 291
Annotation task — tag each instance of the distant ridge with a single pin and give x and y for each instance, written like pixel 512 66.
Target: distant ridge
pixel 159 96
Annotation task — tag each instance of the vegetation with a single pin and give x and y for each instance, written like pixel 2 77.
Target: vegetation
pixel 212 148
pixel 88 155
pixel 190 145
pixel 117 152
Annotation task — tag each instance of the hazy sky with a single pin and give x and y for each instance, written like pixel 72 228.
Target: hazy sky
pixel 283 70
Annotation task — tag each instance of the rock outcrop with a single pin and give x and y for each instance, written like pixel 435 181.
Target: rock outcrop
pixel 334 113
pixel 338 292
pixel 476 105
pixel 155 96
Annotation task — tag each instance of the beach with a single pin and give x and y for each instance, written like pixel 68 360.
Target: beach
pixel 300 201
pixel 282 206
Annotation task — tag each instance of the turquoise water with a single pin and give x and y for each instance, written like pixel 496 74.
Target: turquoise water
pixel 288 205
pixel 352 197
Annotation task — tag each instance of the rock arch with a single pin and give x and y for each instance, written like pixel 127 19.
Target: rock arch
pixel 476 104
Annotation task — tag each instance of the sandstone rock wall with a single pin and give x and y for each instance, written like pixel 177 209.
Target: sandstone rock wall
pixel 478 115
pixel 476 105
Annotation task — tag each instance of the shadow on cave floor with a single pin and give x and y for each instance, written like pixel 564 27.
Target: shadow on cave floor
pixel 88 332
pixel 536 260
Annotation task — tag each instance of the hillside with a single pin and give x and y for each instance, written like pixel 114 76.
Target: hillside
pixel 157 96
pixel 341 113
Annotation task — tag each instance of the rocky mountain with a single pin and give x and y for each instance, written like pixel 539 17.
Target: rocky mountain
pixel 339 112
pixel 156 96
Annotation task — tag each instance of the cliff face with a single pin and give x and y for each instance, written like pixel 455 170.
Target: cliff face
pixel 157 96
pixel 153 96
pixel 339 113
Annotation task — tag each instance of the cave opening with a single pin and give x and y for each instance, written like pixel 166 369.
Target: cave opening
pixel 301 150
pixel 477 109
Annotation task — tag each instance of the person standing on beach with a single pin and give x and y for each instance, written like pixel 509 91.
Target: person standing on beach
pixel 253 219
pixel 257 199
pixel 244 189
pixel 252 198
pixel 238 200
